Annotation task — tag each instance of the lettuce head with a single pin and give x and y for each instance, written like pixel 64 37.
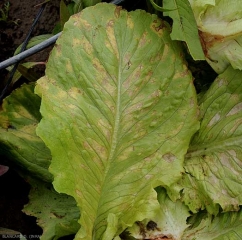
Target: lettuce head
pixel 220 29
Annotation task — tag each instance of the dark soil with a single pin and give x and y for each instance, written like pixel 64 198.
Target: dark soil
pixel 14 190
pixel 14 195
pixel 20 18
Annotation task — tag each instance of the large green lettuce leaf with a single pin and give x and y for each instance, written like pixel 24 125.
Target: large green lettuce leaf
pixel 214 160
pixel 18 141
pixel 119 109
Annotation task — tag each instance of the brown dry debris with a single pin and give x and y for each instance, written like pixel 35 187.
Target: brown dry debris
pixel 208 40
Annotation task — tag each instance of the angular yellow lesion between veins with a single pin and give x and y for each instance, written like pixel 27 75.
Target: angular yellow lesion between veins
pixel 82 23
pixel 111 42
pixel 69 68
pixel 143 41
pixel 130 23
pixel 76 42
pixel 75 92
pixel 98 66
pixel 86 45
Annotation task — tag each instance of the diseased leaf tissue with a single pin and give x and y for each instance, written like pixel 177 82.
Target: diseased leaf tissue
pixel 123 110
pixel 123 132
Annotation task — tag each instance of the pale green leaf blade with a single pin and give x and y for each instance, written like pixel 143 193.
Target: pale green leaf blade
pixel 31 76
pixel 23 70
pixel 170 221
pixel 184 26
pixel 159 8
pixel 225 226
pixel 78 6
pixel 214 160
pixel 119 109
pixel 224 53
pixel 34 41
pixel 64 13
pixel 199 8
pixel 57 214
pixel 18 140
pixel 89 3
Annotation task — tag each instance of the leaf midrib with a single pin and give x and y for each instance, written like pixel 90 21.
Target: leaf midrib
pixel 114 139
pixel 117 119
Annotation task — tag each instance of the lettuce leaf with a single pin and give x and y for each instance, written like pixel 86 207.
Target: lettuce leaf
pixel 214 160
pixel 18 141
pixel 119 109
pixel 184 26
pixel 173 221
pixel 222 227
pixel 170 221
pixel 56 213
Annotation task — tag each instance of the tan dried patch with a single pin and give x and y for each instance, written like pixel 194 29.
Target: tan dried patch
pixel 157 25
pixel 84 24
pixel 133 108
pixel 208 40
pixel 101 150
pixel 75 92
pixel 222 82
pixel 236 109
pixel 156 94
pixel 98 66
pixel 214 120
pixel 169 157
pixel 143 40
pixel 185 72
pixel 76 42
pixel 69 68
pixel 106 129
pixel 148 176
pixel 58 50
pixel 237 123
pixel 103 78
pixel 149 159
pixel 166 52
pixel 226 161
pixel 235 97
pixel 130 23
pixel 87 46
pixel 61 95
pixel 111 42
pixel 79 194
pixel 117 11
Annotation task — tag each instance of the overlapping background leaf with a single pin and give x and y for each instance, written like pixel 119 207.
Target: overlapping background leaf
pixel 27 154
pixel 18 140
pixel 211 184
pixel 213 163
